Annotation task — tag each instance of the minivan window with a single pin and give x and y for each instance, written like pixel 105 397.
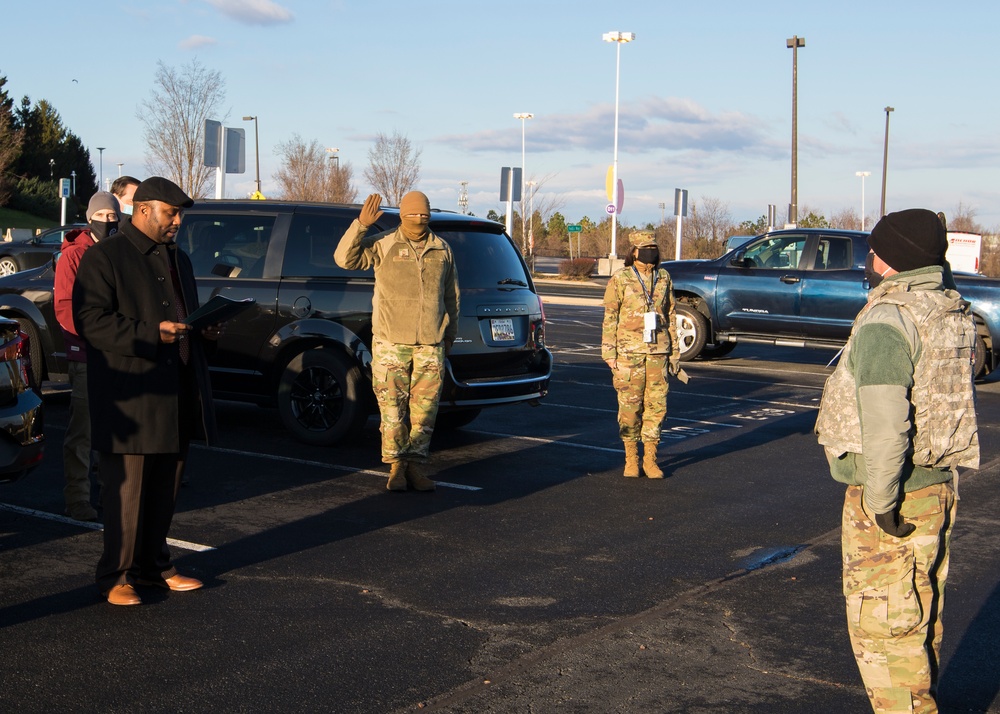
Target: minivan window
pixel 312 239
pixel 239 242
pixel 484 260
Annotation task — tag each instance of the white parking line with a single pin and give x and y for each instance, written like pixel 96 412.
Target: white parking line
pixel 186 545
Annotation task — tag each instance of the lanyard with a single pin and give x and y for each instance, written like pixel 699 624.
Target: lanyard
pixel 652 287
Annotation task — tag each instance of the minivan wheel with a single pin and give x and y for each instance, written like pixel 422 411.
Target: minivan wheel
pixel 692 331
pixel 320 398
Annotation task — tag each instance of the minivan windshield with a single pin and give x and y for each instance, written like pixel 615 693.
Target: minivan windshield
pixel 485 260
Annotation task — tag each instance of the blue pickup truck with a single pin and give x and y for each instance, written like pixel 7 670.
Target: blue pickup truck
pixel 798 287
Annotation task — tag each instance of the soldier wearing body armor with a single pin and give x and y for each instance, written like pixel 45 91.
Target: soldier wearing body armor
pixel 639 343
pixel 897 419
pixel 414 324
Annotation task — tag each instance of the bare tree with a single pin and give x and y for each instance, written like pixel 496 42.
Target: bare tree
pixel 173 120
pixel 963 220
pixel 306 174
pixel 393 166
pixel 847 219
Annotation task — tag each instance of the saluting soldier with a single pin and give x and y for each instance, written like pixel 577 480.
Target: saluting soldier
pixel 414 324
pixel 639 343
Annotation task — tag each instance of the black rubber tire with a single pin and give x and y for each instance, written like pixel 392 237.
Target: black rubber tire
pixel 979 369
pixel 717 351
pixel 448 421
pixel 692 331
pixel 322 397
pixel 37 371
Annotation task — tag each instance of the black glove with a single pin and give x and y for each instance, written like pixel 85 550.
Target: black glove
pixel 891 523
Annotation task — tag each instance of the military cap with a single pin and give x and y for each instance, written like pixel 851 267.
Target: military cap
pixel 157 188
pixel 641 238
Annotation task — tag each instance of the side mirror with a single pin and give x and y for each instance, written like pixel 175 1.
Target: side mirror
pixel 739 259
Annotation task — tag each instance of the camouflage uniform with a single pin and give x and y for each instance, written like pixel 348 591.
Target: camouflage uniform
pixel 895 586
pixel 640 378
pixel 414 318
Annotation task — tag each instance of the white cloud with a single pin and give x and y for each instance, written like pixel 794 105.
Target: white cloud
pixel 253 12
pixel 195 42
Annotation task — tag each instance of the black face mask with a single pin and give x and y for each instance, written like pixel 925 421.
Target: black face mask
pixel 649 256
pixel 99 230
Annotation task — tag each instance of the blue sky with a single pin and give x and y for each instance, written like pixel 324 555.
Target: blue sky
pixel 705 93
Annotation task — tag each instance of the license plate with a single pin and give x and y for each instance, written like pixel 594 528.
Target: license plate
pixel 503 329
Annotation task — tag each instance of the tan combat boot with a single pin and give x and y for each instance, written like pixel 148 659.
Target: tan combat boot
pixel 649 465
pixel 397 476
pixel 416 476
pixel 632 459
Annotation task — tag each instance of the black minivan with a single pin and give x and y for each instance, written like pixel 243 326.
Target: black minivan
pixel 304 347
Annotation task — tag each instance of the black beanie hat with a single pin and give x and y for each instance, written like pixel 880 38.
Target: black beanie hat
pixel 910 239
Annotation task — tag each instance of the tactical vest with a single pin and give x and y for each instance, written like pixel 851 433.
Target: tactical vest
pixel 943 410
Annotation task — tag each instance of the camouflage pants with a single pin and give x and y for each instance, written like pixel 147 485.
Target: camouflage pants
pixel 895 597
pixel 407 383
pixel 641 382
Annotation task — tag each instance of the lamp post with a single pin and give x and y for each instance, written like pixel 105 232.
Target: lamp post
pixel 52 167
pixel 256 146
pixel 72 178
pixel 863 175
pixel 618 38
pixel 334 157
pixel 795 42
pixel 530 185
pixel 885 158
pixel 524 175
pixel 100 181
pixel 662 208
pixel 120 164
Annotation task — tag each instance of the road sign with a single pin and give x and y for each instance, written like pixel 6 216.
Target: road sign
pixel 611 209
pixel 64 189
pixel 256 196
pixel 574 228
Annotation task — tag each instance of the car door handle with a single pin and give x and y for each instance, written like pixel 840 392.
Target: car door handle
pixel 790 279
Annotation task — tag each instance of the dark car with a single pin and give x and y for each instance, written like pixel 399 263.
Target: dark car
pixel 304 346
pixel 21 425
pixel 797 287
pixel 36 251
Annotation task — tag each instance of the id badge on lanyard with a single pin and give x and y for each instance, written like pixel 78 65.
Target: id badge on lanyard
pixel 650 319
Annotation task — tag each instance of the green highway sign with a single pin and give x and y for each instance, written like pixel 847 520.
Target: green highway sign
pixel 574 228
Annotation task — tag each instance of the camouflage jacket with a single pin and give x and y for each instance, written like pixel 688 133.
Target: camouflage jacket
pixel 625 304
pixel 416 295
pixel 905 434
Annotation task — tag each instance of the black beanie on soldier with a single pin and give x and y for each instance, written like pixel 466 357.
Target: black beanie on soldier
pixel 910 239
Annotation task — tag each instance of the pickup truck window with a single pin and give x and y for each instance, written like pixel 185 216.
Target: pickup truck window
pixel 781 252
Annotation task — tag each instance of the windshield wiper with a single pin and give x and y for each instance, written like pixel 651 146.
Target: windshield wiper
pixel 512 281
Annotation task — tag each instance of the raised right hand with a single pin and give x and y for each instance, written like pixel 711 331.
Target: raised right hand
pixel 370 212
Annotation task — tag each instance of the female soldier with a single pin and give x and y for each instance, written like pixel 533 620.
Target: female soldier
pixel 639 343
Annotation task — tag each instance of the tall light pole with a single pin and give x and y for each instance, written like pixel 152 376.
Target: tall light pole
pixel 885 158
pixel 100 181
pixel 120 164
pixel 662 208
pixel 530 185
pixel 524 175
pixel 256 145
pixel 618 38
pixel 863 175
pixel 795 42
pixel 334 157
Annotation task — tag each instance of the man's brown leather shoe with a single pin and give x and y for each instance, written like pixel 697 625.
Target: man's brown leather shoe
pixel 123 595
pixel 178 583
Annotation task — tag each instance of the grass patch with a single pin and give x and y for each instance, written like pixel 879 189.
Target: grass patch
pixel 10 218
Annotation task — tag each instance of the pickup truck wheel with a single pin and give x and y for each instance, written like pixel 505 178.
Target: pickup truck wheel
pixel 320 397
pixel 720 349
pixel 979 363
pixel 692 331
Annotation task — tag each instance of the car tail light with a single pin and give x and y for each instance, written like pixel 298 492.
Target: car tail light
pixel 18 351
pixel 538 328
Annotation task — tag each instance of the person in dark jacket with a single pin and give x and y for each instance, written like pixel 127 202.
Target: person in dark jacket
pixel 148 375
pixel 102 217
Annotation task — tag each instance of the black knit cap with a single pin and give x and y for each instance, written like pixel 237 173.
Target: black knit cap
pixel 157 188
pixel 910 239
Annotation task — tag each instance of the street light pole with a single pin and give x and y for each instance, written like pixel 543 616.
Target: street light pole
pixel 885 158
pixel 795 42
pixel 618 38
pixel 256 145
pixel 662 207
pixel 863 174
pixel 524 175
pixel 120 164
pixel 101 180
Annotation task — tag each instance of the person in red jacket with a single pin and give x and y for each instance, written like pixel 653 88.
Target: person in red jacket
pixel 102 219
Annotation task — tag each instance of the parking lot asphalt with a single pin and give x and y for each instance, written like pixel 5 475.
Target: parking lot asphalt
pixel 535 579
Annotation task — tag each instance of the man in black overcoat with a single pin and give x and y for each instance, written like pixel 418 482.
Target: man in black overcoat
pixel 148 378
